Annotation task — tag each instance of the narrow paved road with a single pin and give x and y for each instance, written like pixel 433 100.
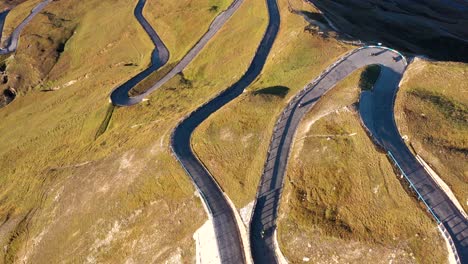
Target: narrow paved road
pixel 159 58
pixel 378 104
pixel 120 96
pixel 12 44
pixel 226 229
pixel 228 236
pixel 377 114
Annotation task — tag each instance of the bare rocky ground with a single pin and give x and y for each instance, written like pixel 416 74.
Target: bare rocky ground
pixel 432 28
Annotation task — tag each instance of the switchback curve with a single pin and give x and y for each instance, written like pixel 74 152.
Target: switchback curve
pixel 376 109
pixel 13 40
pixel 159 58
pixel 226 229
pixel 120 96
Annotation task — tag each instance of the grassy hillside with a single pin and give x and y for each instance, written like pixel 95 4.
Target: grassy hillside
pixel 233 142
pixel 342 200
pixel 432 110
pixel 176 25
pixel 184 23
pixel 40 45
pixel 84 182
pixel 67 196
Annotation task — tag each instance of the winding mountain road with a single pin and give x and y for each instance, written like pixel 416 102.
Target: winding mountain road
pixel 226 229
pixel 376 109
pixel 120 96
pixel 159 58
pixel 13 40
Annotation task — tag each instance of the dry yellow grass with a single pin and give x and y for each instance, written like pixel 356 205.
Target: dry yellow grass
pixel 342 200
pixel 123 196
pixel 65 196
pixel 432 110
pixel 233 142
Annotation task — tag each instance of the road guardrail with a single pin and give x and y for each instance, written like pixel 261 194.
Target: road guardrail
pixel 441 226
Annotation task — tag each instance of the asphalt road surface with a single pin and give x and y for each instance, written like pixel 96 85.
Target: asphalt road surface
pixel 159 57
pixel 120 96
pixel 226 229
pixel 377 114
pixel 378 104
pixel 12 44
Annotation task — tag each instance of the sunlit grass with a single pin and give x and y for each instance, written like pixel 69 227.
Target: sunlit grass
pixel 341 192
pixel 233 142
pixel 432 110
pixel 80 189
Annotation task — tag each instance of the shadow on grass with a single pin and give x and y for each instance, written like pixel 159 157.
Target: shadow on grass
pixel 315 16
pixel 280 91
pixel 105 123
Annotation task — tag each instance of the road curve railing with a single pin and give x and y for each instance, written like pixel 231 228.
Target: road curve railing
pixel 440 225
pixel 384 130
pixel 453 248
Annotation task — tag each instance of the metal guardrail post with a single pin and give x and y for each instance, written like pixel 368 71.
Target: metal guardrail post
pixel 440 224
pixel 414 187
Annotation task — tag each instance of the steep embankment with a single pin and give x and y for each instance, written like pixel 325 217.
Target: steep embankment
pixel 9 4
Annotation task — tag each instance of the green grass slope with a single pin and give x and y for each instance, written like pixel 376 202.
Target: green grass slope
pixel 180 28
pixel 233 142
pixel 40 45
pixel 68 196
pixel 432 110
pixel 342 200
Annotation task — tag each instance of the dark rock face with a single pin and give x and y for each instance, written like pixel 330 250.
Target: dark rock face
pixel 435 28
